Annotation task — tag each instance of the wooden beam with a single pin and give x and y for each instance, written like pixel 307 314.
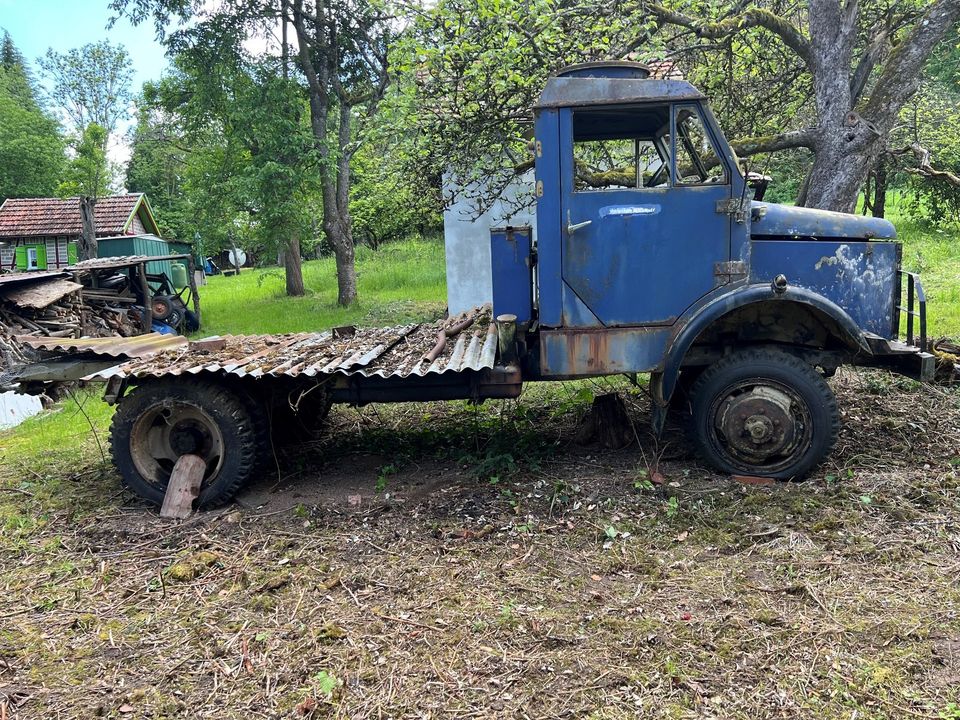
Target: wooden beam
pixel 148 305
pixel 183 488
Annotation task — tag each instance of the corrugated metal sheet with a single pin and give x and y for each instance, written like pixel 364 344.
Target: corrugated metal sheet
pixel 31 276
pixel 107 263
pixel 40 294
pixel 139 346
pixel 32 217
pixel 382 352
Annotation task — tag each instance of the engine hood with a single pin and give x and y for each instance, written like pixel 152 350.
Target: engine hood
pixel 772 219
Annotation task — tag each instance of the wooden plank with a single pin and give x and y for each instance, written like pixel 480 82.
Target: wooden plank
pixel 183 488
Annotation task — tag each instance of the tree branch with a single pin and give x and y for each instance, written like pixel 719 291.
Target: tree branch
pixel 901 74
pixel 751 17
pixel 924 168
pixel 748 146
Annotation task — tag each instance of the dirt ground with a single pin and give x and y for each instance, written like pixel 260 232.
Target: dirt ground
pixel 445 561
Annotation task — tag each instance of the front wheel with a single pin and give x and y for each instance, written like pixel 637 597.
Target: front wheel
pixel 763 412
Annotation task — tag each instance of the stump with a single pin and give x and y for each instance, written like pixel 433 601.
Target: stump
pixel 607 423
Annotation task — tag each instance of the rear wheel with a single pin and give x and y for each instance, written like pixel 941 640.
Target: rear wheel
pixel 763 412
pixel 299 415
pixel 158 422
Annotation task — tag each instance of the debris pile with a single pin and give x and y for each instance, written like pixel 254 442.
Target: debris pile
pixel 110 313
pixel 56 305
pixel 947 352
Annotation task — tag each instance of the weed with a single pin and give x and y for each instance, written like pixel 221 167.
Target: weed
pixel 382 476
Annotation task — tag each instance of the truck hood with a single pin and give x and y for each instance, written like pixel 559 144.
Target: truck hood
pixel 772 219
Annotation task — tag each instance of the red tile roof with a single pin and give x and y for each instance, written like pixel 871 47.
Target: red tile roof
pixel 44 217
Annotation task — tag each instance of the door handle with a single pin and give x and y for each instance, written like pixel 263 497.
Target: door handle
pixel 573 227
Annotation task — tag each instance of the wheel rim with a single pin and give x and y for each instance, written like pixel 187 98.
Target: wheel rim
pixel 171 429
pixel 760 426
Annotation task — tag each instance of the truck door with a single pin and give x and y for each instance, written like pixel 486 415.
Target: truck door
pixel 640 190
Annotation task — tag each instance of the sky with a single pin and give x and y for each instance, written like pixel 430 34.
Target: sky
pixel 36 25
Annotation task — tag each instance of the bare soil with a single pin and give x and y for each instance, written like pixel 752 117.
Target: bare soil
pixel 444 561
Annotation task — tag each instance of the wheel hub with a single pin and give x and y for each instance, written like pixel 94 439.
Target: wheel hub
pixel 759 423
pixel 169 430
pixel 188 437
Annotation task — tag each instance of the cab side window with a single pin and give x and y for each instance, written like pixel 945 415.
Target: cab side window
pixel 621 148
pixel 697 159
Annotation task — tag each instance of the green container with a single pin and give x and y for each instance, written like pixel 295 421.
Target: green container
pixel 178 275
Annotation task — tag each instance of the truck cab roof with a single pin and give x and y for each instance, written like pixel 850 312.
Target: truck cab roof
pixel 611 83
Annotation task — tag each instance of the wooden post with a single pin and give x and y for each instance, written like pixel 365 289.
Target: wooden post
pixel 183 488
pixel 147 323
pixel 235 256
pixel 88 231
pixel 194 295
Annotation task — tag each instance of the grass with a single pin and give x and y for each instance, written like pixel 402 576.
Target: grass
pixel 401 282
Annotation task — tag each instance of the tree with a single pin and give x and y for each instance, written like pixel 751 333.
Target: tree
pixel 341 51
pixel 863 71
pixel 839 86
pixel 90 84
pixel 252 153
pixel 86 173
pixel 157 166
pixel 31 146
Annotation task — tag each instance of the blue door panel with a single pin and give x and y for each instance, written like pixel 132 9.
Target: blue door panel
pixel 861 277
pixel 547 133
pixel 648 254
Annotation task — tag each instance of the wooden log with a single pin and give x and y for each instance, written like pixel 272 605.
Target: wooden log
pixel 183 488
pixel 607 423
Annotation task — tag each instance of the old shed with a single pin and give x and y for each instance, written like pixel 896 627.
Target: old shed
pixel 42 233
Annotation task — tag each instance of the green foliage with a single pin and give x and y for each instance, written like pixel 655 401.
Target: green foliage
pixel 31 146
pixel 157 165
pixel 88 172
pixel 933 121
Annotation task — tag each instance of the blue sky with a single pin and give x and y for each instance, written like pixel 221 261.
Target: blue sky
pixel 36 25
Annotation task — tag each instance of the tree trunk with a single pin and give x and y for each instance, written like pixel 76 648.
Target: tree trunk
pixel 837 176
pixel 235 256
pixel 880 189
pixel 346 274
pixel 87 249
pixel 292 267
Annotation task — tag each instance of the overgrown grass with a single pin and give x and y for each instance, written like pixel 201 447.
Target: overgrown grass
pixel 934 252
pixel 400 282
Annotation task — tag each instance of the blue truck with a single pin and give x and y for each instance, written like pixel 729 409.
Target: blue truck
pixel 652 254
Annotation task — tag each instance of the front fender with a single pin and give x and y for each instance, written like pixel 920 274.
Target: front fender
pixel 663 383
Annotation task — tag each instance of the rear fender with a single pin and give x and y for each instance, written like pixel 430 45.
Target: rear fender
pixel 698 321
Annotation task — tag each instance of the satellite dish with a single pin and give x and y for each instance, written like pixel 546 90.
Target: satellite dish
pixel 237 257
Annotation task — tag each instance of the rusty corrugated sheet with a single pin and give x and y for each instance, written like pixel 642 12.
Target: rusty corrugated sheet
pixel 106 263
pixel 139 346
pixel 382 352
